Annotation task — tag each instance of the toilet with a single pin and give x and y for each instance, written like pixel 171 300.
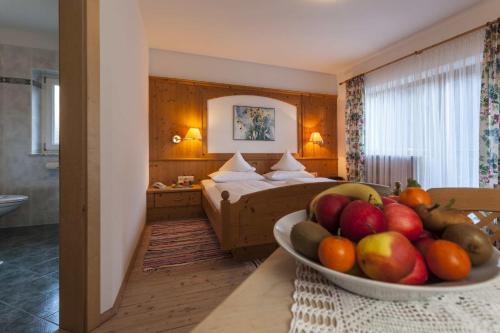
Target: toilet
pixel 10 202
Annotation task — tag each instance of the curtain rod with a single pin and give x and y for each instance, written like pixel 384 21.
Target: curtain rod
pixel 420 51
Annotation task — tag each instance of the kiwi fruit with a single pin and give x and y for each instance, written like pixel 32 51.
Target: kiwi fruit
pixel 305 238
pixel 475 242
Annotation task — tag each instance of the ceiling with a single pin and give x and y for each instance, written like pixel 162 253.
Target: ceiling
pixel 29 15
pixel 316 35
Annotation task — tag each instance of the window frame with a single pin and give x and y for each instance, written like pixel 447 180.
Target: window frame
pixel 441 74
pixel 408 82
pixel 49 145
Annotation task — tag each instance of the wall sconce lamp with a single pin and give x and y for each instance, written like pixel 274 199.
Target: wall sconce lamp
pixel 192 134
pixel 316 138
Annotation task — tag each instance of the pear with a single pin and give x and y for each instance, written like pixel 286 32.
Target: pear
pixel 436 218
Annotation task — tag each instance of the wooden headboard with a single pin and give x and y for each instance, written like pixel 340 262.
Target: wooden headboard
pixel 176 105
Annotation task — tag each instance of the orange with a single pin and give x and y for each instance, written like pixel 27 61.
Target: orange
pixel 337 253
pixel 447 260
pixel 414 196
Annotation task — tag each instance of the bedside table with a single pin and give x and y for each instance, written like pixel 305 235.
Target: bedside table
pixel 174 203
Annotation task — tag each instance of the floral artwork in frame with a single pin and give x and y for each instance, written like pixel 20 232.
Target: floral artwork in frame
pixel 253 123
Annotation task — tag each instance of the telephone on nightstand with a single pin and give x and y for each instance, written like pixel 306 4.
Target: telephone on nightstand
pixel 159 185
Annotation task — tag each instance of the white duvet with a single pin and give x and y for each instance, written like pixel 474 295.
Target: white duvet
pixel 240 188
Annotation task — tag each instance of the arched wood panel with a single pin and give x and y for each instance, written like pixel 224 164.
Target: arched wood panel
pixel 176 105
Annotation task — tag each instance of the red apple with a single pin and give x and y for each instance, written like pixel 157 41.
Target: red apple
pixel 394 197
pixel 423 241
pixel 359 219
pixel 387 201
pixel 419 274
pixel 426 234
pixel 328 209
pixel 404 220
pixel 310 216
pixel 386 256
pixel 422 244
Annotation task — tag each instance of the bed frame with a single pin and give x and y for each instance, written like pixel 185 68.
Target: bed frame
pixel 245 227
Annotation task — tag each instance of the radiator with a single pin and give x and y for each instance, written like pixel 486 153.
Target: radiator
pixel 386 170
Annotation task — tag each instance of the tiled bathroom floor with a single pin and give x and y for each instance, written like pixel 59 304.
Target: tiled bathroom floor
pixel 29 285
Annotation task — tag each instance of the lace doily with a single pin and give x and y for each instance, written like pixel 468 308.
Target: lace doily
pixel 319 306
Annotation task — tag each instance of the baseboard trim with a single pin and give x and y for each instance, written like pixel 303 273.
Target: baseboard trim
pixel 110 313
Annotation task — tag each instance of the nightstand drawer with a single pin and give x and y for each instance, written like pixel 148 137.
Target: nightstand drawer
pixel 150 200
pixel 177 199
pixel 195 198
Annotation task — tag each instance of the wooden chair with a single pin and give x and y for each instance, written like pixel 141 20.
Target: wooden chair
pixel 481 205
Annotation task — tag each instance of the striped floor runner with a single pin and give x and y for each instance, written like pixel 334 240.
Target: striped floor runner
pixel 176 243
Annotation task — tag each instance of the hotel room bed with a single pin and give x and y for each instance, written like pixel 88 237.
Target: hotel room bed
pixel 243 213
pixel 236 190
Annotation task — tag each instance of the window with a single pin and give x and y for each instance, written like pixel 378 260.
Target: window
pixel 50 115
pixel 422 117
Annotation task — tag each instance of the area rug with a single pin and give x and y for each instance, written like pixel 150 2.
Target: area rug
pixel 176 243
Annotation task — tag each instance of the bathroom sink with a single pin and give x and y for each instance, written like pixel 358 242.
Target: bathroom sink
pixel 10 202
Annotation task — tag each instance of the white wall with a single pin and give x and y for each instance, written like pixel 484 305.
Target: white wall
pixel 124 140
pixel 469 19
pixel 36 40
pixel 204 68
pixel 220 126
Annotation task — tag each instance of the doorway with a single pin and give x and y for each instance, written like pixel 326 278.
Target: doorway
pixel 78 228
pixel 76 237
pixel 29 166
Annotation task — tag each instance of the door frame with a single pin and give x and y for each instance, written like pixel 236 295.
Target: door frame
pixel 79 226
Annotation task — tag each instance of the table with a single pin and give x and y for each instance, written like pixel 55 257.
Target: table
pixel 260 304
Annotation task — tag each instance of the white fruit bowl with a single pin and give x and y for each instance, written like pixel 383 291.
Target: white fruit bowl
pixel 479 277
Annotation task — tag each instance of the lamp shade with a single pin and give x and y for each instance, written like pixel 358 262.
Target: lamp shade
pixel 316 138
pixel 193 134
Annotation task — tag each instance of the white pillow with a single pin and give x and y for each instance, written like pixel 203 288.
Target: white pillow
pixel 237 163
pixel 288 163
pixel 282 175
pixel 234 176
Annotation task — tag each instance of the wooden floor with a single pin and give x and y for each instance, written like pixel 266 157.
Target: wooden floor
pixel 175 299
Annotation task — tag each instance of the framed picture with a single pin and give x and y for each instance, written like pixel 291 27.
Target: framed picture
pixel 253 123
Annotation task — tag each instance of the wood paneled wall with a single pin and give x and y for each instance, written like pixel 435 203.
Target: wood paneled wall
pixel 176 105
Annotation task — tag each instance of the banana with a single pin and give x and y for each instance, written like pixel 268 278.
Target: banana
pixel 352 190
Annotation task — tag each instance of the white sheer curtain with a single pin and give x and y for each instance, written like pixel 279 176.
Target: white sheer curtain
pixel 422 117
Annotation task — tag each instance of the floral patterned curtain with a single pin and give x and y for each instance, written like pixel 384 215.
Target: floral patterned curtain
pixel 355 129
pixel 490 109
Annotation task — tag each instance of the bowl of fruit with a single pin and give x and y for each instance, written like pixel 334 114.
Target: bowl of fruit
pixel 389 248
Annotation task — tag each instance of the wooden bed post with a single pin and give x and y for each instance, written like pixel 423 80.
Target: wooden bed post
pixel 225 208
